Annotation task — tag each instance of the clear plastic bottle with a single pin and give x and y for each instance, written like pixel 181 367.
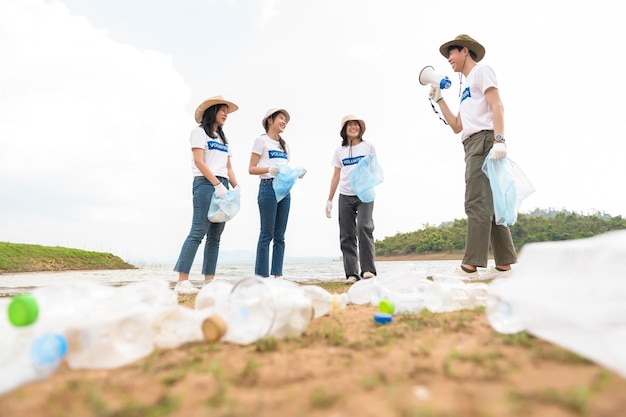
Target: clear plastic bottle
pixel 213 294
pixel 360 292
pixel 26 353
pixel 323 301
pixel 249 312
pixel 119 338
pixel 504 316
pixel 446 294
pixel 176 325
pixel 294 310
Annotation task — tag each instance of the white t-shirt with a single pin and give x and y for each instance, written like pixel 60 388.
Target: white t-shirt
pixel 270 152
pixel 346 158
pixel 216 153
pixel 475 113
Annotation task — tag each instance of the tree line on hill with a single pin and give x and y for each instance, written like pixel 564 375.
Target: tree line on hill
pixel 535 226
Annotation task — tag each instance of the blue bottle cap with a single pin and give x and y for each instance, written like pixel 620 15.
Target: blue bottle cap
pixel 48 349
pixel 382 318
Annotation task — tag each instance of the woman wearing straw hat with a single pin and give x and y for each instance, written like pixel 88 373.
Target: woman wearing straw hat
pixel 212 174
pixel 356 225
pixel 480 121
pixel 269 152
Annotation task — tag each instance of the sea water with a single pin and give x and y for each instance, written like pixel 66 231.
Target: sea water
pixel 304 271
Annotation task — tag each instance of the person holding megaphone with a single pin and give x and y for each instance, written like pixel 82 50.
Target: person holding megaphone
pixel 480 120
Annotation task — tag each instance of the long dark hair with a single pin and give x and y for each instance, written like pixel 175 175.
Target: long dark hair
pixel 344 135
pixel 208 120
pixel 281 141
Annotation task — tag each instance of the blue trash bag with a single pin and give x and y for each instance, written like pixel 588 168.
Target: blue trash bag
pixel 285 179
pixel 223 209
pixel 365 176
pixel 509 187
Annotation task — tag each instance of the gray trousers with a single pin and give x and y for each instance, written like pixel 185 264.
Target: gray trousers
pixel 481 227
pixel 356 235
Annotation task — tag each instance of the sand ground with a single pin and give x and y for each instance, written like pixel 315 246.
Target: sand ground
pixel 446 364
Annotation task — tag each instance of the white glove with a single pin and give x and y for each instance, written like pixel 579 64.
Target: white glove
pixel 220 190
pixel 273 171
pixel 302 176
pixel 498 151
pixel 435 94
pixel 329 208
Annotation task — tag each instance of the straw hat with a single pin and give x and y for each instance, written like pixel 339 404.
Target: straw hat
pixel 272 111
pixel 464 40
pixel 212 101
pixel 349 117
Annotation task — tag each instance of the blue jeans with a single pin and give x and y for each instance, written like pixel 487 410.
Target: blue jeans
pixel 200 227
pixel 274 216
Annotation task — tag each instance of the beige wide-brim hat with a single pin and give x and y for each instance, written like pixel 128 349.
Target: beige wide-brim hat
pixel 272 111
pixel 467 41
pixel 212 101
pixel 349 117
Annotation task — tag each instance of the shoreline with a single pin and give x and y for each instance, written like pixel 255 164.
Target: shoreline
pixel 433 256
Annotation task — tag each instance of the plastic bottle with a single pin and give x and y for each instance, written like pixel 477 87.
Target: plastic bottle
pixel 176 325
pixel 119 338
pixel 213 294
pixel 360 291
pixel 446 294
pixel 248 313
pixel 294 310
pixel 323 301
pixel 25 354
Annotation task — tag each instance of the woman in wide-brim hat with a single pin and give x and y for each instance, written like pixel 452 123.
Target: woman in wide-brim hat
pixel 356 224
pixel 212 175
pixel 269 152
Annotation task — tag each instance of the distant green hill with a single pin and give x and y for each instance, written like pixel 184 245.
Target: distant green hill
pixel 538 226
pixel 17 257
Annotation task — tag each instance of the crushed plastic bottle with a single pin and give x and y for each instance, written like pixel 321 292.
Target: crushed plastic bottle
pixel 570 293
pixel 446 294
pixel 323 301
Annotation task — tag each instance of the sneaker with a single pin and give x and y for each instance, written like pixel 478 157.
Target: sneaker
pixel 493 273
pixel 185 287
pixel 207 282
pixel 460 273
pixel 352 279
pixel 368 275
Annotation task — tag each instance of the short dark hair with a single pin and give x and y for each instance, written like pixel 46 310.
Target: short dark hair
pixel 459 48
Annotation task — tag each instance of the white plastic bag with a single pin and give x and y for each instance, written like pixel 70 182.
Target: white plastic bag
pixel 509 187
pixel 223 209
pixel 365 177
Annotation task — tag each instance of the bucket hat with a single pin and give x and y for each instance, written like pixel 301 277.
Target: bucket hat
pixel 212 101
pixel 272 111
pixel 349 117
pixel 467 41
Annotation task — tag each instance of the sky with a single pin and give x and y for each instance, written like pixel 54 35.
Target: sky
pixel 97 101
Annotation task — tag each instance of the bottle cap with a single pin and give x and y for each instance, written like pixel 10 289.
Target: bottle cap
pixel 382 318
pixel 386 306
pixel 213 328
pixel 23 310
pixel 48 349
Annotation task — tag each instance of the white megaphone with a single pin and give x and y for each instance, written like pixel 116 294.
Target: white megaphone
pixel 429 76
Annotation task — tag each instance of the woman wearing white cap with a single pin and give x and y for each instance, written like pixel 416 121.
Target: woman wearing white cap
pixel 269 152
pixel 212 173
pixel 356 226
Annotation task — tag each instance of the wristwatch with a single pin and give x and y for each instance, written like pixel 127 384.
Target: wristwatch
pixel 500 138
